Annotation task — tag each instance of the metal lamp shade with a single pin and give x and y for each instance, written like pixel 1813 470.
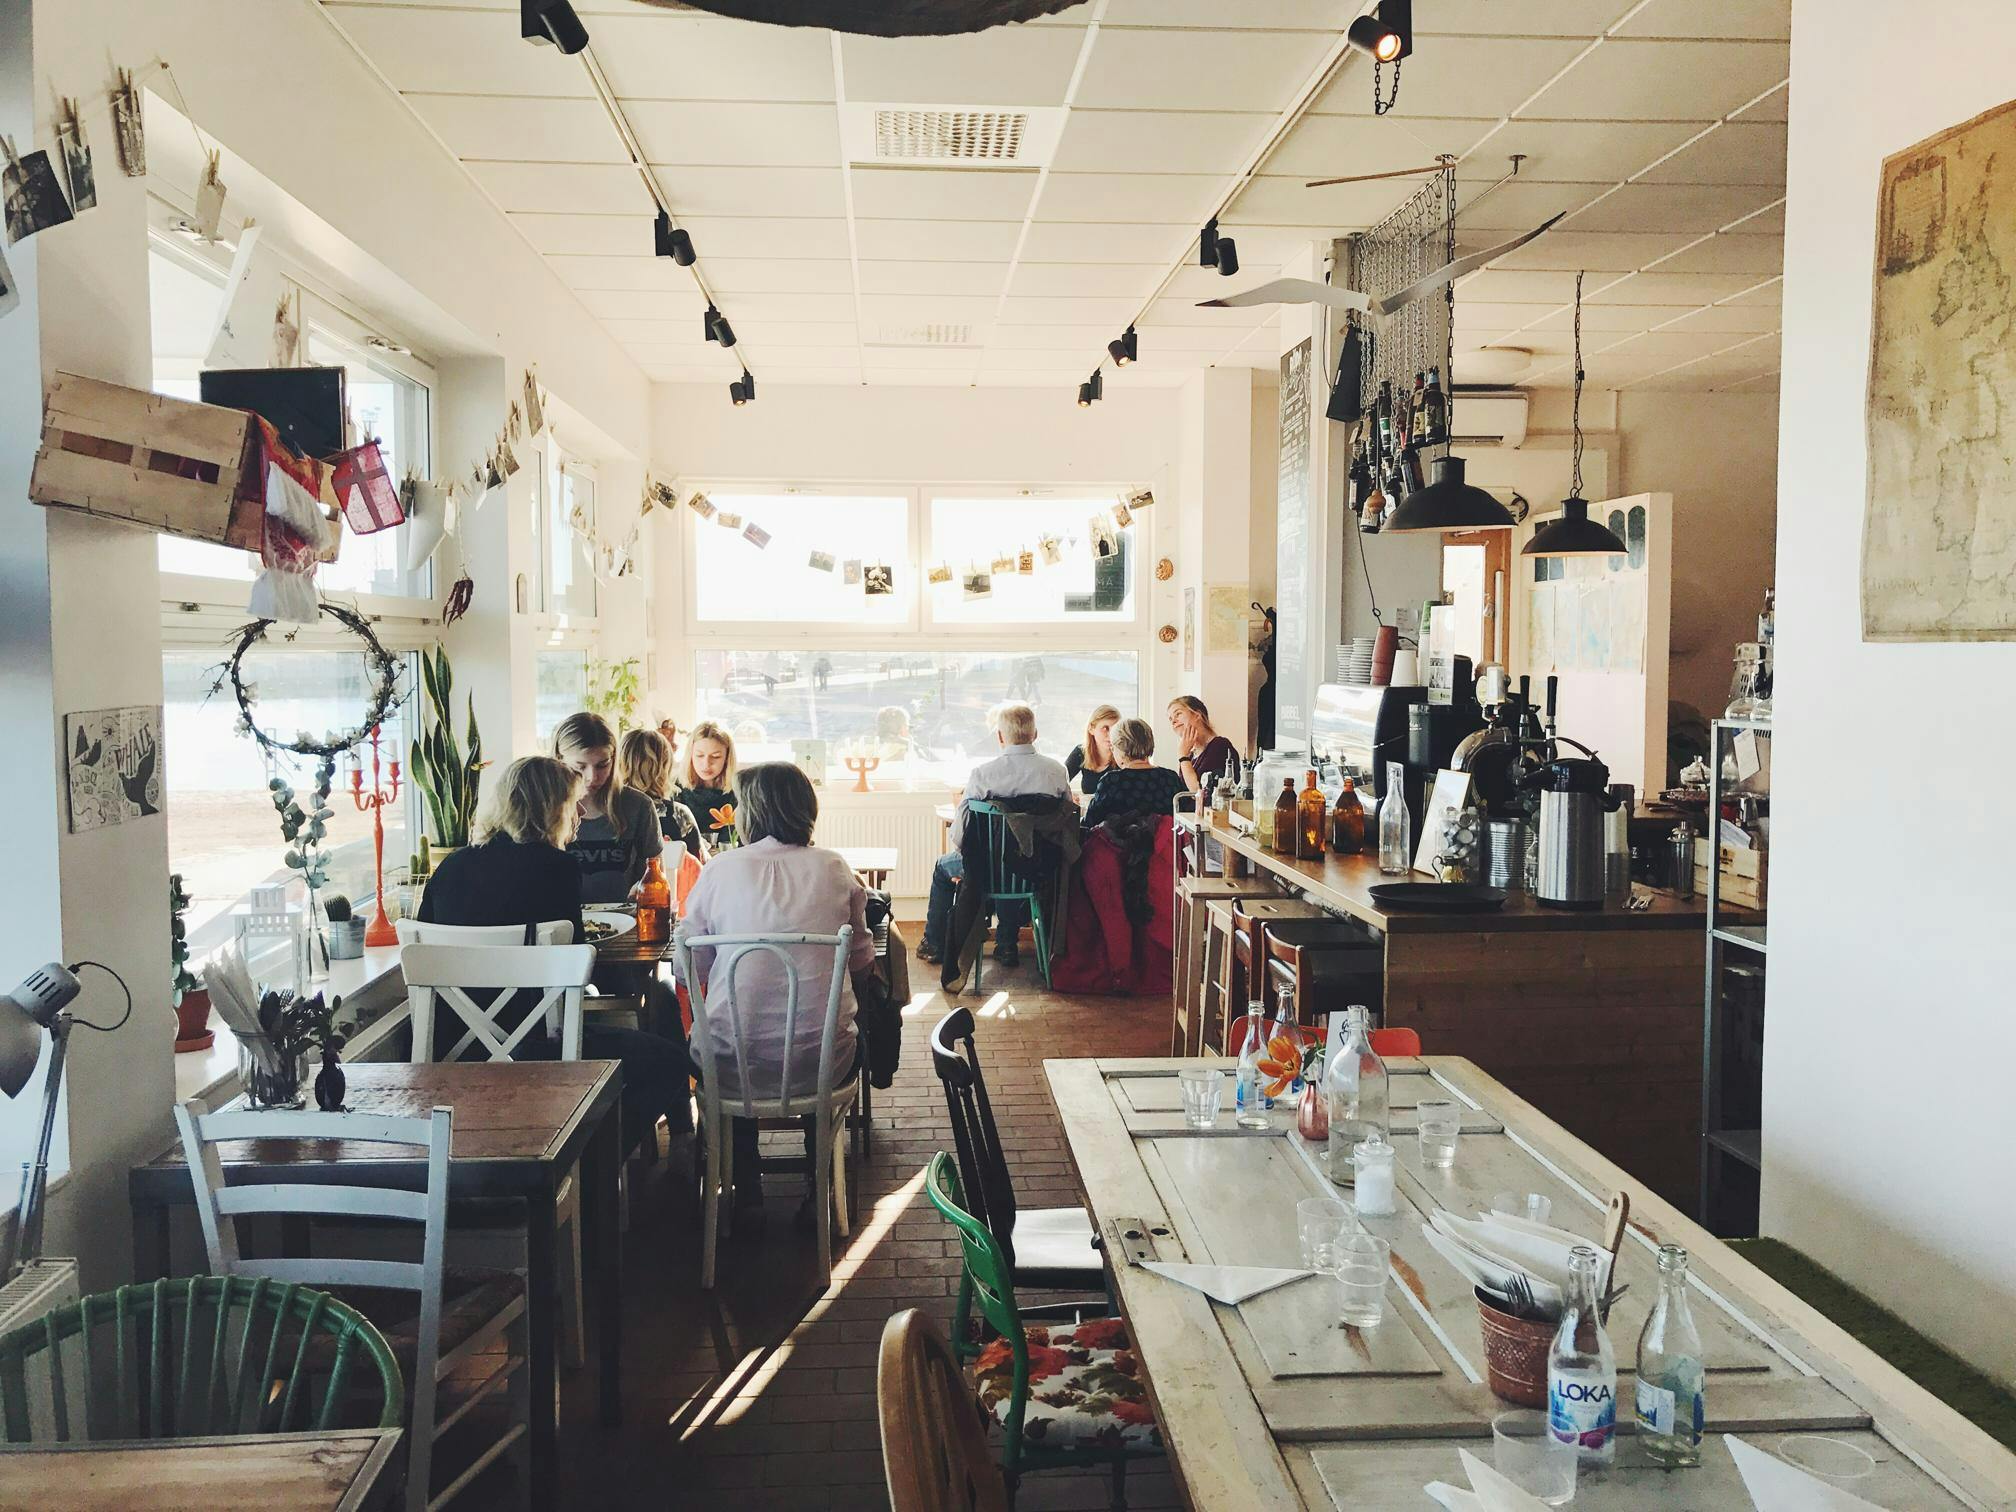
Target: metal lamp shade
pixel 20 1046
pixel 1449 503
pixel 880 18
pixel 1574 534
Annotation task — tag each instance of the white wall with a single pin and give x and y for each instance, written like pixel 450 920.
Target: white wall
pixel 1888 1115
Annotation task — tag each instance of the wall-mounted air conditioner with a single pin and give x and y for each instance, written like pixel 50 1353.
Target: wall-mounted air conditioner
pixel 1487 417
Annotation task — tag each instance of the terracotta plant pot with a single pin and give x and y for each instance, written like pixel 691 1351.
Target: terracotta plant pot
pixel 192 1022
pixel 1515 1354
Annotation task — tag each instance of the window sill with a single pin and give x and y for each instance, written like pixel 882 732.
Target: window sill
pixel 371 987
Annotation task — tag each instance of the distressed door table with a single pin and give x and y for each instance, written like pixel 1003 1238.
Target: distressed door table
pixel 272 1472
pixel 1275 1404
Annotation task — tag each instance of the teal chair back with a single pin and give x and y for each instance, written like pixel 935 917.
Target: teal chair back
pixel 1006 884
pixel 985 1282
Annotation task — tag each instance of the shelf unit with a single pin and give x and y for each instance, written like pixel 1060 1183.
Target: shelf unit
pixel 1732 1034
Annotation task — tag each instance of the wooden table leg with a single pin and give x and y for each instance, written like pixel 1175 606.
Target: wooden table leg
pixel 541 1319
pixel 600 1201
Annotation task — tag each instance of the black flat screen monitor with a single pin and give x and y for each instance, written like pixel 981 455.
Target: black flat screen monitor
pixel 305 405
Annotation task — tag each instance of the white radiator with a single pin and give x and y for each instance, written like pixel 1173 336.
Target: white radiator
pixel 906 823
pixel 41 1288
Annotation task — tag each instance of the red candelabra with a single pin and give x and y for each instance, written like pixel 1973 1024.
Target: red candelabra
pixel 380 931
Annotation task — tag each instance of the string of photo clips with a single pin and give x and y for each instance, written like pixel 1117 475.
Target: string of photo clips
pixel 876 579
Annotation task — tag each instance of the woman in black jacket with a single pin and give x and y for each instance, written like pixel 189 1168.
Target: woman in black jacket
pixel 1134 785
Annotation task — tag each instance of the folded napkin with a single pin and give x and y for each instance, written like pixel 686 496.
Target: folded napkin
pixel 1776 1486
pixel 1489 1491
pixel 1230 1284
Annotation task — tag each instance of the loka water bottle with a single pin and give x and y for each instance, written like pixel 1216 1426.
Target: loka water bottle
pixel 1581 1370
pixel 1671 1409
pixel 1251 1038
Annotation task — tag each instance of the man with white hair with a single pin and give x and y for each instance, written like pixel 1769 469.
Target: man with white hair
pixel 1020 771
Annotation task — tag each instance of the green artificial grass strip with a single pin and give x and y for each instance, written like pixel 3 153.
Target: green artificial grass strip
pixel 1976 1397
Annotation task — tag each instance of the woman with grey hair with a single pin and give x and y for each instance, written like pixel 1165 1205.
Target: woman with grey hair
pixel 1134 784
pixel 778 882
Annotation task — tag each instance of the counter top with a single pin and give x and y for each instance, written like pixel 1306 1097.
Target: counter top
pixel 1344 884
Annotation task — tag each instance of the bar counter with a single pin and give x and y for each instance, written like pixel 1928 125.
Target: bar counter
pixel 1593 1017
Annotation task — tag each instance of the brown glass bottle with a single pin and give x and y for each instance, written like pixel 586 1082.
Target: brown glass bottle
pixel 1347 822
pixel 1312 816
pixel 1285 818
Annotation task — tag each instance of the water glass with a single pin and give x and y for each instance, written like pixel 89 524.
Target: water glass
pixel 1439 1123
pixel 1526 1454
pixel 1534 1207
pixel 1359 1262
pixel 1203 1090
pixel 1321 1222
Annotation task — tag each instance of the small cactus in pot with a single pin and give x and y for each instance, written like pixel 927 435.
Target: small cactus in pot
pixel 346 930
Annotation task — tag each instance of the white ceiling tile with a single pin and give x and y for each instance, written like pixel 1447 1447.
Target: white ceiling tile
pixel 1260 15
pixel 1567 248
pixel 1087 280
pixel 1769 292
pixel 777 357
pixel 1008 65
pixel 1687 208
pixel 1606 321
pixel 790 307
pixel 1763 19
pixel 1191 282
pixel 765 236
pixel 1531 18
pixel 1089 341
pixel 936 241
pixel 1734 153
pixel 1761 255
pixel 1503 286
pixel 1331 146
pixel 1184 310
pixel 1577 151
pixel 567 189
pixel 1183 70
pixel 1112 314
pixel 968 194
pixel 643 271
pixel 670 55
pixel 955 279
pixel 1335 208
pixel 1038 359
pixel 893 310
pixel 458 52
pixel 1522 204
pixel 735 133
pixel 522 130
pixel 1185 338
pixel 1768 222
pixel 636 304
pixel 587 235
pixel 1775 106
pixel 940 359
pixel 1661 287
pixel 1731 317
pixel 1458 76
pixel 1159 141
pixel 1157 197
pixel 769 333
pixel 753 191
pixel 1105 243
pixel 1665 81
pixel 779 275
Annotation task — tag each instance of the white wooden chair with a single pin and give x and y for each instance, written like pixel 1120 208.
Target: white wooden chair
pixel 457 959
pixel 764 1091
pixel 442 1339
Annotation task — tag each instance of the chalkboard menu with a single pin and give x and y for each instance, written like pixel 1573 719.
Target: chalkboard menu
pixel 1292 554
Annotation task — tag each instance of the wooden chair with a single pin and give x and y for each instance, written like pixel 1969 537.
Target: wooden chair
pixel 1194 894
pixel 1323 961
pixel 460 1316
pixel 1005 884
pixel 1047 1249
pixel 934 1452
pixel 197 1357
pixel 762 1090
pixel 1392 1043
pixel 1093 1410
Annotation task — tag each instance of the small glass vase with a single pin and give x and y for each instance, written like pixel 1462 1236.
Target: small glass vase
pixel 271 1080
pixel 1312 1114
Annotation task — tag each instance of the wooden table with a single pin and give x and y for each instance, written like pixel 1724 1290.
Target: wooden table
pixel 274 1472
pixel 1273 1405
pixel 872 863
pixel 520 1127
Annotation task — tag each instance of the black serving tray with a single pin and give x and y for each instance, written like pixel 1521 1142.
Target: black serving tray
pixel 1438 897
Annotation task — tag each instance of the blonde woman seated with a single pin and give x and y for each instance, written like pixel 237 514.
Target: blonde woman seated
pixel 1134 785
pixel 778 882
pixel 644 765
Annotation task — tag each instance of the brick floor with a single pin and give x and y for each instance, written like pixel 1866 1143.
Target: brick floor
pixel 762 1395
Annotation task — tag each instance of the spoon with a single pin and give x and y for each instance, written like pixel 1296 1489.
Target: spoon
pixel 1615 1222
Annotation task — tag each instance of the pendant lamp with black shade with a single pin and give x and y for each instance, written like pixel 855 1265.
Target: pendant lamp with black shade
pixel 1574 533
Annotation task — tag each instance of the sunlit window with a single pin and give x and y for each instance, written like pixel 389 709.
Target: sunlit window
pixel 1030 559
pixel 823 558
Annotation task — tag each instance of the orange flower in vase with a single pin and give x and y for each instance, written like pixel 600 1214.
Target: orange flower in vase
pixel 1282 1062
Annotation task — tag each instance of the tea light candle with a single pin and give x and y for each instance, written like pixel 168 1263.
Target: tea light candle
pixel 1374 1189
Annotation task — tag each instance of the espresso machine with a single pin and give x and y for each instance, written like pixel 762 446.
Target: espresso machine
pixel 1363 728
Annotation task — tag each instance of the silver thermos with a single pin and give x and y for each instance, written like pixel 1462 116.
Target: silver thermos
pixel 1574 804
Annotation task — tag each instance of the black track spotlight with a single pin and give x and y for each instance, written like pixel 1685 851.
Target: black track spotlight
pixel 1125 349
pixel 743 390
pixel 1084 396
pixel 1387 35
pixel 671 241
pixel 1228 256
pixel 1098 384
pixel 1092 390
pixel 1207 244
pixel 552 21
pixel 718 329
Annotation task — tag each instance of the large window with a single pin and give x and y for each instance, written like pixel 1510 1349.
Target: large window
pixel 1030 559
pixel 560 679
pixel 813 568
pixel 568 533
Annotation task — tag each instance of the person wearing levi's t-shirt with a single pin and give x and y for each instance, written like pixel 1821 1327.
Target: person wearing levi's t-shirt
pixel 618 832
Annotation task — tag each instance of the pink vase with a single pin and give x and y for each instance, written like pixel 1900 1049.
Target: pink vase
pixel 1312 1114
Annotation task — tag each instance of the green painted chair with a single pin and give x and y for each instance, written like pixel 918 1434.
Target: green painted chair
pixel 1068 1394
pixel 197 1356
pixel 1006 885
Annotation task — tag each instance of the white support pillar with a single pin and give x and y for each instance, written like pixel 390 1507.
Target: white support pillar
pixel 1214 554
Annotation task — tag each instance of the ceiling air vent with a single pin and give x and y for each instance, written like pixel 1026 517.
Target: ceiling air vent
pixel 948 136
pixel 939 334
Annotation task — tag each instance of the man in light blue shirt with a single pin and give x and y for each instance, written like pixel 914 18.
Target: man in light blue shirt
pixel 1020 771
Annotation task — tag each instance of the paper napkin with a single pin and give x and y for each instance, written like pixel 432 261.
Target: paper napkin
pixel 1489 1491
pixel 1776 1486
pixel 1230 1284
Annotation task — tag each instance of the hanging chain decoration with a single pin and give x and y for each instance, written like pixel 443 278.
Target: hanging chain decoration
pixel 1404 248
pixel 383 667
pixel 1379 108
pixel 1575 412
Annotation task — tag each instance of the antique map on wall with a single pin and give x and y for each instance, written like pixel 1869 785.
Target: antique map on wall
pixel 1939 537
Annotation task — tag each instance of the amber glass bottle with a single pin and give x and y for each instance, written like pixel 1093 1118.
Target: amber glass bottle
pixel 654 904
pixel 1312 820
pixel 1347 822
pixel 1285 818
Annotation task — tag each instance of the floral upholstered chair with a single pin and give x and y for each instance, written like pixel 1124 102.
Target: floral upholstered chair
pixel 1064 1394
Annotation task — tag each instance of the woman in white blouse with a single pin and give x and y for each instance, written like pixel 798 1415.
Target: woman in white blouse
pixel 777 882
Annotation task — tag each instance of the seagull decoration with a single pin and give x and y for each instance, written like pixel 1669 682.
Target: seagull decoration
pixel 1306 291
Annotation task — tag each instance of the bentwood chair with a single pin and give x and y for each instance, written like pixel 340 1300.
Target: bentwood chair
pixel 197 1357
pixel 457 1317
pixel 1007 883
pixel 1091 1408
pixel 753 1084
pixel 934 1451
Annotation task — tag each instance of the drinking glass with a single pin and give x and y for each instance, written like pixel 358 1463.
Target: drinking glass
pixel 1359 1262
pixel 1525 1453
pixel 1831 1459
pixel 1321 1222
pixel 1439 1123
pixel 1534 1207
pixel 1203 1089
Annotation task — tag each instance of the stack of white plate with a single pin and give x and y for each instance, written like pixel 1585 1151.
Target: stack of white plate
pixel 1354 660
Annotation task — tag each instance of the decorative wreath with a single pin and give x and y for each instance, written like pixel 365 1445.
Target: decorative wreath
pixel 386 695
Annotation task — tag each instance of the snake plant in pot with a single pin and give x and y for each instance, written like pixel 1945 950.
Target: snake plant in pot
pixel 447 775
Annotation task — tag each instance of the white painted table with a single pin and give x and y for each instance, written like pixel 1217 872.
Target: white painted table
pixel 1274 1405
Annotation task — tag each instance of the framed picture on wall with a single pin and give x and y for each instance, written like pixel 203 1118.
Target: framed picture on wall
pixel 112 758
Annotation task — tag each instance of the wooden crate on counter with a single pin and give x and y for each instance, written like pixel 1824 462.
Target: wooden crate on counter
pixel 1745 874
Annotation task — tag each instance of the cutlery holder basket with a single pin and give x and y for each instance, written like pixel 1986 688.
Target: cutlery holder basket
pixel 1515 1354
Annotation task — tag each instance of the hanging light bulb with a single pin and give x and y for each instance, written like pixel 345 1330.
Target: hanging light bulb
pixel 1574 533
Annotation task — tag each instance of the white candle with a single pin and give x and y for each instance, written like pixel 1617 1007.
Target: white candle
pixel 1373 1191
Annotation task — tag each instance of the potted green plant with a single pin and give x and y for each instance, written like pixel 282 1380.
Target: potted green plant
pixel 446 775
pixel 346 930
pixel 614 691
pixel 191 997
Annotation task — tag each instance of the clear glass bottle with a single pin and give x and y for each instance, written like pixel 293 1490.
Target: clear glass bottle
pixel 1581 1368
pixel 1396 829
pixel 1354 1086
pixel 1670 1402
pixel 1251 1039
